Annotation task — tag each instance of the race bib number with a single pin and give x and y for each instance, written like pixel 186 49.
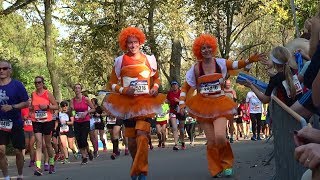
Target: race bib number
pixel 111 120
pixel 296 83
pixel 78 115
pixel 97 120
pixel 210 88
pixel 141 86
pixel 28 122
pixel 6 125
pixel 64 128
pixel 172 115
pixel 41 115
pixel 162 115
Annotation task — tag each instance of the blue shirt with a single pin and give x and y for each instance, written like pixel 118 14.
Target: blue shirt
pixel 13 93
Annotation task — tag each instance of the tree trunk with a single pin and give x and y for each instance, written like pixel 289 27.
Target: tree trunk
pixel 175 60
pixel 49 50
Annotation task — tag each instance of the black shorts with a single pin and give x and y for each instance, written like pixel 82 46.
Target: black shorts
pixel 131 123
pixel 119 122
pixel 45 128
pixel 16 136
pixel 239 120
pixel 99 126
pixel 70 133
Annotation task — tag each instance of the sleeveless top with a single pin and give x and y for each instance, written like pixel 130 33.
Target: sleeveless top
pixel 41 115
pixel 80 108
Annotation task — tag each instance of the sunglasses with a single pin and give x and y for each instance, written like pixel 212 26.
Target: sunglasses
pixel 4 68
pixel 38 82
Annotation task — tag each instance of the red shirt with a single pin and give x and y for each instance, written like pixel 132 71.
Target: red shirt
pixel 27 122
pixel 245 112
pixel 171 98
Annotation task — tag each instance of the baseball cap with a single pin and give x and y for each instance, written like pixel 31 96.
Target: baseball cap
pixel 174 82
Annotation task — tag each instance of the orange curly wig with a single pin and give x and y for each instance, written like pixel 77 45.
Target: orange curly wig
pixel 130 31
pixel 201 40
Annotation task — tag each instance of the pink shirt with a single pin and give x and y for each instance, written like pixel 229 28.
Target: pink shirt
pixel 80 107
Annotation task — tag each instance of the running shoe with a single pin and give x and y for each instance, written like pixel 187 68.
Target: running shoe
pixel 31 164
pixel 75 155
pixel 183 146
pixel 105 149
pixel 84 161
pixel 56 157
pixel 113 156
pixel 95 154
pixel 46 167
pixel 228 172
pixel 134 177
pixel 151 146
pixel 66 161
pixel 175 148
pixel 52 170
pixel 231 140
pixel 90 155
pixel 19 178
pixel 159 145
pixel 118 153
pixel 259 138
pixel 126 152
pixel 37 172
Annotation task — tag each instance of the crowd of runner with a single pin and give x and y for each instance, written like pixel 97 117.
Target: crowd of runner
pixel 49 131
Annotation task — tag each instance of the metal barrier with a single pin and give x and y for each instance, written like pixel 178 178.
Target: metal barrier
pixel 284 122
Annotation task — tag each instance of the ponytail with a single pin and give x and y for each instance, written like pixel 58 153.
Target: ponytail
pixel 289 79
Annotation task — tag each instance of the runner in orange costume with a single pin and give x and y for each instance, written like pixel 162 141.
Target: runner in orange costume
pixel 210 106
pixel 135 81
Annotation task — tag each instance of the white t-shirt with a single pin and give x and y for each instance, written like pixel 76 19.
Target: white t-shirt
pixel 255 104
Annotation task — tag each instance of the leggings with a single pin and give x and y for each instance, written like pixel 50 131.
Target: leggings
pixel 81 131
pixel 256 123
pixel 190 130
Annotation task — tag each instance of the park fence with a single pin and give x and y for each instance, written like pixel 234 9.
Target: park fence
pixel 284 122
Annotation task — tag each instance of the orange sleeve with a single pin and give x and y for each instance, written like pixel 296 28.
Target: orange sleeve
pixel 183 95
pixel 241 63
pixel 113 83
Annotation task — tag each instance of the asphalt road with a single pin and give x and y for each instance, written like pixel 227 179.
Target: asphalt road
pixel 164 163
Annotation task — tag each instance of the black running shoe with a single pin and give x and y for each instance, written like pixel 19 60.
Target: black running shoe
pixel 84 161
pixel 90 155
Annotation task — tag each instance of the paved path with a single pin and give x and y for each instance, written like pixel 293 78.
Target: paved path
pixel 186 164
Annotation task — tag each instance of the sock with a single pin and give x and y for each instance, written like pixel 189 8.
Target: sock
pixel 38 164
pixel 51 161
pixel 115 144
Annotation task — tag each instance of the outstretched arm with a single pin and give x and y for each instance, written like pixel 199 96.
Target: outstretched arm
pixel 242 63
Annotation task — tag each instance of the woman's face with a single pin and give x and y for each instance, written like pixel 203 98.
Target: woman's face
pixel 64 108
pixel 77 89
pixel 38 83
pixel 206 51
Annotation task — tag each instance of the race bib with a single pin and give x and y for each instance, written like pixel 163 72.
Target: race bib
pixel 64 128
pixel 111 120
pixel 172 115
pixel 141 86
pixel 97 120
pixel 78 115
pixel 41 115
pixel 296 83
pixel 210 88
pixel 6 125
pixel 28 122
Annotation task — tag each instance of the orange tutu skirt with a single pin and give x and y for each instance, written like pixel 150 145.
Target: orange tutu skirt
pixel 207 109
pixel 126 107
